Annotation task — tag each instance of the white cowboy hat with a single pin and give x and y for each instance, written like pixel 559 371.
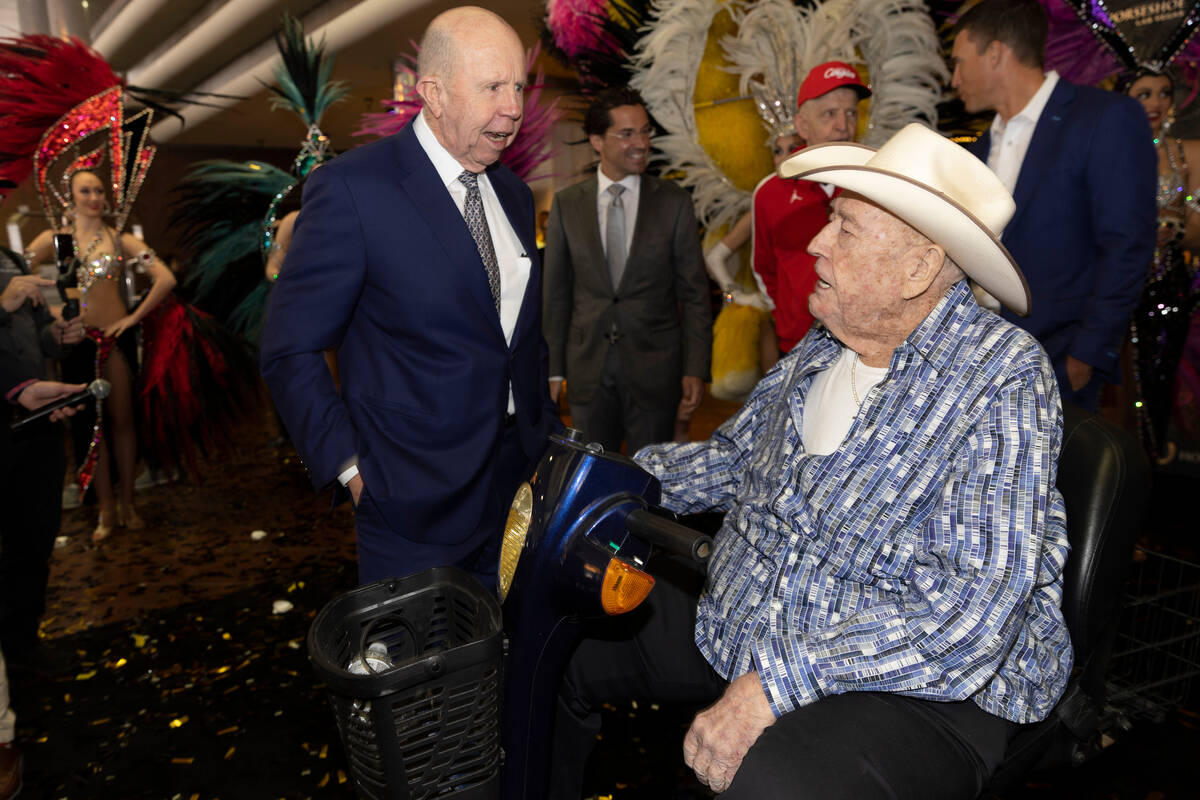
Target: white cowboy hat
pixel 935 186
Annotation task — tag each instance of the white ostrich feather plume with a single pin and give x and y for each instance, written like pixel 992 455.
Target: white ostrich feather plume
pixel 774 48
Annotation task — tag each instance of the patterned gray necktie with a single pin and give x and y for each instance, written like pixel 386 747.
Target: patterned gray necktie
pixel 477 224
pixel 614 235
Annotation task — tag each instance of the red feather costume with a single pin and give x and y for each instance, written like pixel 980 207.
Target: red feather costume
pixel 64 110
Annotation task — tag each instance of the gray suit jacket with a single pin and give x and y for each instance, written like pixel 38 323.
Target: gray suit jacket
pixel 661 308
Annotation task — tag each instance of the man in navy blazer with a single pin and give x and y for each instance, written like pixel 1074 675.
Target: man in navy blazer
pixel 1081 165
pixel 443 406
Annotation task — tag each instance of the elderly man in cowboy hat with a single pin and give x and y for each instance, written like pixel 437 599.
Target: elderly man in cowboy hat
pixel 883 604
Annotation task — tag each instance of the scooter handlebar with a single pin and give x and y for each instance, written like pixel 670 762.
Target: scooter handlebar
pixel 670 536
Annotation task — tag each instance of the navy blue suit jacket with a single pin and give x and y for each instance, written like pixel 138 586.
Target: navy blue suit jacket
pixel 383 268
pixel 1083 232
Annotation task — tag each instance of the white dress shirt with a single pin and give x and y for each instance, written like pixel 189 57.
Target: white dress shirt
pixel 1011 138
pixel 514 262
pixel 633 186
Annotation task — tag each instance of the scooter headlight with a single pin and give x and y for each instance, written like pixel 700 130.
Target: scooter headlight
pixel 515 529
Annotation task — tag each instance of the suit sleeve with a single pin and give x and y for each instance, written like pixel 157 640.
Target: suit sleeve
pixel 1122 184
pixel 309 310
pixel 691 287
pixel 557 292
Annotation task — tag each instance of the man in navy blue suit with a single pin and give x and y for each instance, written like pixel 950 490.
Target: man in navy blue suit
pixel 1082 169
pixel 415 257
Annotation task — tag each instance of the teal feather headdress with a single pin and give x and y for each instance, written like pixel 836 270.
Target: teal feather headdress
pixel 303 85
pixel 219 207
pixel 228 209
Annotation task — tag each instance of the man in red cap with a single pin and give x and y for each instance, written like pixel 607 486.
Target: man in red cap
pixel 788 213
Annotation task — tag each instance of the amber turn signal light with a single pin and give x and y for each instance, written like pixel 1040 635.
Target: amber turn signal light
pixel 624 588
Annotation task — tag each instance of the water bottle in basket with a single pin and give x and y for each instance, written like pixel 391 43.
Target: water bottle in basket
pixel 372 662
pixel 412 668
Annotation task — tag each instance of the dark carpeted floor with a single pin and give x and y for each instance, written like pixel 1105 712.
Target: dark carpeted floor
pixel 187 674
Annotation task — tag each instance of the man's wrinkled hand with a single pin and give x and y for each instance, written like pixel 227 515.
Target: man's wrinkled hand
pixel 722 734
pixel 555 391
pixel 355 486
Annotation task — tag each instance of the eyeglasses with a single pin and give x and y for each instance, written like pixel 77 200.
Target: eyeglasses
pixel 629 135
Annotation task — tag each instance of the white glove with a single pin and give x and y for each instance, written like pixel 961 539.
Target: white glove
pixel 749 299
pixel 718 270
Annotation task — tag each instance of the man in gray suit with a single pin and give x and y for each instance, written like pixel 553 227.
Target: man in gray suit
pixel 627 314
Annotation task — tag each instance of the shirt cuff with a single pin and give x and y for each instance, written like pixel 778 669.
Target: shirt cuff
pixel 348 475
pixel 785 677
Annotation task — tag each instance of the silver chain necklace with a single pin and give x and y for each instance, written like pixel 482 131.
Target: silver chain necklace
pixel 853 385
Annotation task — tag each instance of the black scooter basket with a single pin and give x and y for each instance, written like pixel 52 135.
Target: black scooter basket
pixel 428 726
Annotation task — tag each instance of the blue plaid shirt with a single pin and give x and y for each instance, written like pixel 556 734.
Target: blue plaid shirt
pixel 923 557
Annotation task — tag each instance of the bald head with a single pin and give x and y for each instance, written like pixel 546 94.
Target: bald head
pixel 451 33
pixel 472 83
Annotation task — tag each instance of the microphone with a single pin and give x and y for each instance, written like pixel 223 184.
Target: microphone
pixel 97 389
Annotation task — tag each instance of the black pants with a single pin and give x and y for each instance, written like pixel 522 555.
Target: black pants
pixel 31 480
pixel 612 415
pixel 855 745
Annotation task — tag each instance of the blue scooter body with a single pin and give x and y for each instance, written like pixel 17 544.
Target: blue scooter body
pixel 581 501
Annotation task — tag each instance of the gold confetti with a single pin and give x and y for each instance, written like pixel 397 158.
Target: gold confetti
pixel 67 697
pixel 120 662
pixel 324 751
pixel 224 731
pixel 222 670
pixel 83 676
pixel 229 753
pixel 139 640
pixel 341 776
pixel 182 760
pixel 101 721
pixel 226 636
pixel 324 781
pixel 179 722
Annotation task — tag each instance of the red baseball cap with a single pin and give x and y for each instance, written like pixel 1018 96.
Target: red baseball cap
pixel 824 78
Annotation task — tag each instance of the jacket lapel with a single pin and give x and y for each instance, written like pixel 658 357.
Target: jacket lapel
pixel 432 201
pixel 511 202
pixel 1043 147
pixel 646 206
pixel 582 216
